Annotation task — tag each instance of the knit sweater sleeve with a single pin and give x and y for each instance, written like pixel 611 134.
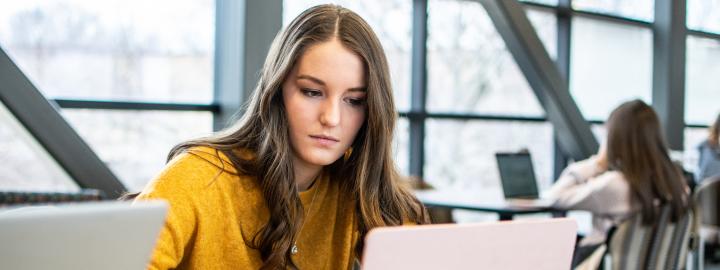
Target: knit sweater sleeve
pixel 178 184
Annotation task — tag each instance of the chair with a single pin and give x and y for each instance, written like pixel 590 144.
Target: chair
pixel 634 245
pixel 707 221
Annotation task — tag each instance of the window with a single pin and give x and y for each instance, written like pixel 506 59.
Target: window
pixel 545 24
pixel 693 138
pixel 391 21
pixel 610 63
pixel 24 163
pixel 465 158
pixel 137 51
pixel 137 150
pixel 702 94
pixel 469 68
pixel 600 132
pixel 635 9
pixel 704 15
pixel 113 50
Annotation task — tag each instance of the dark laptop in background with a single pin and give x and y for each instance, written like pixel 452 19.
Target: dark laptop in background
pixel 517 176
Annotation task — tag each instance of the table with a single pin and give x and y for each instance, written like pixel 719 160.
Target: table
pixel 473 201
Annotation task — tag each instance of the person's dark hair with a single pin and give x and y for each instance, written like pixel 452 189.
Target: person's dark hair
pixel 715 134
pixel 636 147
pixel 368 177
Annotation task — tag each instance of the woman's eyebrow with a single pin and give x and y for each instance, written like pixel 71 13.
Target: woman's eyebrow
pixel 358 89
pixel 322 83
pixel 311 78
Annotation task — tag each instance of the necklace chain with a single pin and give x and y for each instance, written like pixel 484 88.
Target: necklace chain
pixel 294 249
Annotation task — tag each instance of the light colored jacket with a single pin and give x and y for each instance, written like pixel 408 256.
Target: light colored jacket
pixel 606 194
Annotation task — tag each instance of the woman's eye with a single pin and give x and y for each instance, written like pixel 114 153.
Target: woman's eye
pixel 356 101
pixel 310 92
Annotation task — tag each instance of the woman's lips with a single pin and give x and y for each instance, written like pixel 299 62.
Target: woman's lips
pixel 323 140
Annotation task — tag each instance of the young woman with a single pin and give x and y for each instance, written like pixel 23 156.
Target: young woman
pixel 306 172
pixel 631 174
pixel 709 161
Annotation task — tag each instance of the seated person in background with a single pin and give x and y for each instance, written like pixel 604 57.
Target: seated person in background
pixel 709 161
pixel 300 180
pixel 632 173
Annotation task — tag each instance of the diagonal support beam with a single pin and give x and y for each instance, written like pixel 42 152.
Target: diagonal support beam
pixel 44 122
pixel 573 131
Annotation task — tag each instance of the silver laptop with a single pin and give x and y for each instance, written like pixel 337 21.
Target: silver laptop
pixel 542 244
pixel 102 235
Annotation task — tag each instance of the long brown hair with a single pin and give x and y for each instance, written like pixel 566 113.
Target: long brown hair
pixel 636 147
pixel 715 134
pixel 368 176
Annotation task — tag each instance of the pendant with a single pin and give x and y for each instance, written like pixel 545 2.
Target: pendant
pixel 294 249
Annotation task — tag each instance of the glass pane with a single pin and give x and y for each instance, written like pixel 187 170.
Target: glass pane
pixel 600 132
pixel 545 24
pixel 135 144
pixel 117 49
pixel 704 15
pixel 611 63
pixel 392 22
pixel 701 99
pixel 24 163
pixel 461 154
pixel 693 138
pixel 635 9
pixel 401 146
pixel 469 67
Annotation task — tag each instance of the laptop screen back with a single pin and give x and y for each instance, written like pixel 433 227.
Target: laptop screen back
pixel 539 244
pixel 98 235
pixel 517 175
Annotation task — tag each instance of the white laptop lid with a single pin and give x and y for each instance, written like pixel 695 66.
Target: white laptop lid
pixel 525 244
pixel 102 235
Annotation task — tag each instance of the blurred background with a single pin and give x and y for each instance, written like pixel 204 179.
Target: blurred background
pixel 133 78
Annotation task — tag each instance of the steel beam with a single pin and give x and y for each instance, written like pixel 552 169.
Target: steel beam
pixel 572 130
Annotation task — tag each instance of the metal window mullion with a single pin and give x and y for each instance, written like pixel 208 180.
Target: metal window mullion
pixel 668 88
pixel 130 105
pixel 564 35
pixel 418 88
pixel 243 34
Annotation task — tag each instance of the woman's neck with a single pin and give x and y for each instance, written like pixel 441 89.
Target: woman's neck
pixel 305 174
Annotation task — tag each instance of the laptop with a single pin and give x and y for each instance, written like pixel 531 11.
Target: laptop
pixel 517 176
pixel 524 244
pixel 100 235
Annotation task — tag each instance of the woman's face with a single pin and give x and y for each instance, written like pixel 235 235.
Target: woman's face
pixel 324 97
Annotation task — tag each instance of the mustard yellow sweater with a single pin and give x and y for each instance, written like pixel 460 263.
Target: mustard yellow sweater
pixel 212 220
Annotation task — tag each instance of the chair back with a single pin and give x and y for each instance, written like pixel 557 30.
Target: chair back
pixel 707 202
pixel 662 245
